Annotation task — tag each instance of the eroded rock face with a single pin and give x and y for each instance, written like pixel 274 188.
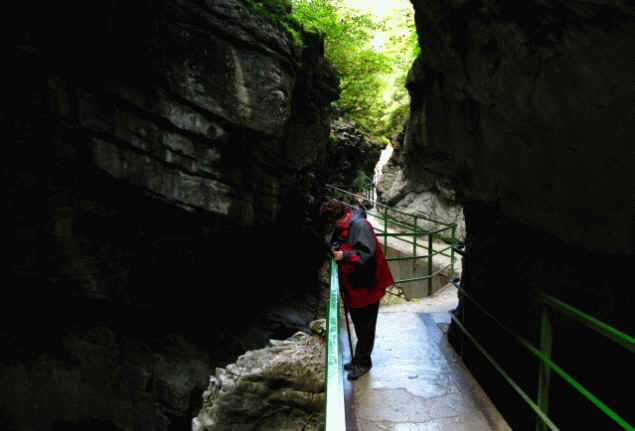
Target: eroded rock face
pixel 277 388
pixel 164 157
pixel 526 109
pixel 421 192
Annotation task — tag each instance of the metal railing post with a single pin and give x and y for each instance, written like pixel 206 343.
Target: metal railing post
pixel 453 244
pixel 385 230
pixel 414 246
pixel 544 371
pixel 430 253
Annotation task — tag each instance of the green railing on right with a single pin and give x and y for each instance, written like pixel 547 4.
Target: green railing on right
pixel 408 224
pixel 541 405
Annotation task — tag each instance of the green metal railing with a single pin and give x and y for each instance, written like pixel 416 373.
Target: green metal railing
pixel 541 405
pixel 335 411
pixel 335 399
pixel 409 225
pixel 365 186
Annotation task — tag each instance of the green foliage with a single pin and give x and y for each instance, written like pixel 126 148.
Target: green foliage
pixel 347 46
pixel 403 48
pixel 277 11
pixel 367 73
pixel 372 78
pixel 362 182
pixel 396 119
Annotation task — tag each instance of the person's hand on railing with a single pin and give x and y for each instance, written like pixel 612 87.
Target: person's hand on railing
pixel 337 254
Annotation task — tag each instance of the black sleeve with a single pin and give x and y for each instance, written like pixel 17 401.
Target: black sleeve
pixel 334 236
pixel 363 241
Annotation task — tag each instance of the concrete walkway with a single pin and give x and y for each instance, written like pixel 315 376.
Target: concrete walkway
pixel 417 382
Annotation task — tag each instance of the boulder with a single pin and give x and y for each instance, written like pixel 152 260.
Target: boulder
pixel 276 388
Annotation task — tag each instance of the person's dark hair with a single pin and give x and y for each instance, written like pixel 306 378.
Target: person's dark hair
pixel 332 210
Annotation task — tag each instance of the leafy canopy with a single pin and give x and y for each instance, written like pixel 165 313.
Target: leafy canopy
pixel 371 56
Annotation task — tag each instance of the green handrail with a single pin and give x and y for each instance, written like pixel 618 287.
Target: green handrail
pixel 335 411
pixel 545 357
pixel 506 376
pixel 379 204
pixel 392 259
pixel 425 277
pixel 591 322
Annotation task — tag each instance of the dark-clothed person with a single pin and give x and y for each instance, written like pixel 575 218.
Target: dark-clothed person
pixel 364 276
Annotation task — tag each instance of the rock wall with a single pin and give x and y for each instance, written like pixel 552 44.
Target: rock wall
pixel 163 170
pixel 419 191
pixel 527 110
pixel 351 150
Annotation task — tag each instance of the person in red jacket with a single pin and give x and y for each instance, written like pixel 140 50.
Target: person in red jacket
pixel 364 276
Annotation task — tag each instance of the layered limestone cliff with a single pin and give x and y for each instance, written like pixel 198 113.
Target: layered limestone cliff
pixel 165 163
pixel 526 109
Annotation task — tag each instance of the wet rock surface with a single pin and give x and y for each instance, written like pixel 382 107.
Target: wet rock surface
pixel 279 387
pixel 163 154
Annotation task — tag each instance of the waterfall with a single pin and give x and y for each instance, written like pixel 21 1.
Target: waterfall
pixel 385 155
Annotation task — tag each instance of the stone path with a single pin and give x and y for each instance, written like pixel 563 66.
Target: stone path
pixel 417 382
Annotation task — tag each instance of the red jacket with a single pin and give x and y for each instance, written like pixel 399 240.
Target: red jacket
pixel 364 272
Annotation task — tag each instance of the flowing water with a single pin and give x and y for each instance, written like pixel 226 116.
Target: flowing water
pixel 385 155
